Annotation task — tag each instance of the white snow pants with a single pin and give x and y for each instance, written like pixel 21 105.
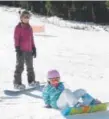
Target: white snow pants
pixel 69 98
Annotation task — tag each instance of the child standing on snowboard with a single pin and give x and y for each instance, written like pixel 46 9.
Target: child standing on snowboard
pixel 56 96
pixel 25 51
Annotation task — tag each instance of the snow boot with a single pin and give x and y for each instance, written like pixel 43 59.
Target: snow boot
pixel 19 86
pixel 34 84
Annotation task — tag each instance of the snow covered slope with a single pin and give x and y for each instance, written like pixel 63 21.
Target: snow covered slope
pixel 81 56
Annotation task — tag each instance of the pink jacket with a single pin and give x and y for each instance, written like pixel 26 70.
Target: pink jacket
pixel 23 37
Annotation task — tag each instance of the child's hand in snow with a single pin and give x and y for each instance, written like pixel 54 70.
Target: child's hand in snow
pixel 47 106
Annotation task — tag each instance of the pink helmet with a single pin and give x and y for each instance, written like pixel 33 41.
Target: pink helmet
pixel 53 74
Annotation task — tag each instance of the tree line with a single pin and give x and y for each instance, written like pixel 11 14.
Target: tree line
pixel 86 11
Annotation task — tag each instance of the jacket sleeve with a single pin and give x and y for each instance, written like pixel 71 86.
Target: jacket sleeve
pixel 17 36
pixel 46 96
pixel 33 44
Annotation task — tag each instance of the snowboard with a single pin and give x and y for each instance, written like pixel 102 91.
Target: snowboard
pixel 85 109
pixel 13 92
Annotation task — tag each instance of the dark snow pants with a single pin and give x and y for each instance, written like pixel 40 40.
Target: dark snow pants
pixel 25 58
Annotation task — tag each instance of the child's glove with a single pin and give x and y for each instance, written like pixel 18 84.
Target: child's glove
pixel 18 51
pixel 61 87
pixel 47 106
pixel 34 52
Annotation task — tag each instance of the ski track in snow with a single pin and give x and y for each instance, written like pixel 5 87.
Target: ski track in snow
pixel 81 56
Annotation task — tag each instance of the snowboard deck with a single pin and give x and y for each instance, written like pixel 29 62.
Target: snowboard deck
pixel 13 92
pixel 85 109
